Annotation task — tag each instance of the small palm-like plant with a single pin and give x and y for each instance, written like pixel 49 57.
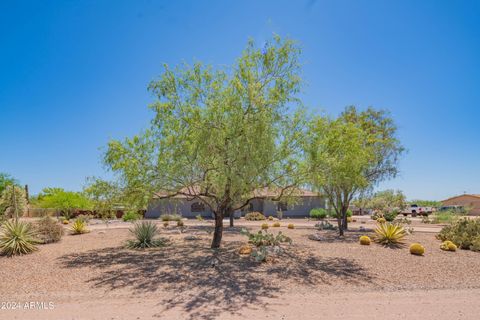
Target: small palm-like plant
pixel 17 238
pixel 79 227
pixel 145 233
pixel 390 234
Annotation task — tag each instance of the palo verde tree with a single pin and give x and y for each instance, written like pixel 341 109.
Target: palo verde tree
pixel 351 154
pixel 63 201
pixel 219 135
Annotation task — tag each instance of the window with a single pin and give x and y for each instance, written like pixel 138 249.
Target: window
pixel 197 207
pixel 282 206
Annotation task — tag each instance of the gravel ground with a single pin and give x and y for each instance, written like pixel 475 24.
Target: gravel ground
pixel 192 281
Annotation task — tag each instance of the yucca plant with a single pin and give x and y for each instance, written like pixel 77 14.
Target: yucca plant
pixel 145 233
pixel 79 227
pixel 17 238
pixel 390 234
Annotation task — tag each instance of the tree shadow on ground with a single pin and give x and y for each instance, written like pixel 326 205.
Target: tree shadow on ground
pixel 204 282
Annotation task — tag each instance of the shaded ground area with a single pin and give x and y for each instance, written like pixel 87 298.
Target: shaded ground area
pixel 189 280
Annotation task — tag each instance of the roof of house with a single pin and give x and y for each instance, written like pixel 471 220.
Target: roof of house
pixel 188 192
pixel 462 195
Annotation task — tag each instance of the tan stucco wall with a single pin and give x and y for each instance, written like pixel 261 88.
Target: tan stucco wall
pixel 466 201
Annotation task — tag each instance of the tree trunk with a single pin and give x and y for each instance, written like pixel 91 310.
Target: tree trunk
pixel 217 234
pixel 231 213
pixel 345 221
pixel 340 226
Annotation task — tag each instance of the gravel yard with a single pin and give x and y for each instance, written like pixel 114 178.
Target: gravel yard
pixel 190 280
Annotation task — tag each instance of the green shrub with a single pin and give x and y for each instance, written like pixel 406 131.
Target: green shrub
pixel 391 215
pixel 318 213
pixel 264 238
pixel 465 233
pixel 145 233
pixel 131 216
pixel 79 227
pixel 170 217
pixel 254 216
pixel 349 213
pixel 48 230
pixel 17 238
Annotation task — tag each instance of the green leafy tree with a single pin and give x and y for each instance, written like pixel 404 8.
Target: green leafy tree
pixel 64 201
pixel 13 202
pixel 387 200
pixel 218 135
pixel 348 155
pixel 105 197
pixel 6 180
pixel 426 203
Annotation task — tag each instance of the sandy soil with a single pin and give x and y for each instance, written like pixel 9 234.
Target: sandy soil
pixel 93 277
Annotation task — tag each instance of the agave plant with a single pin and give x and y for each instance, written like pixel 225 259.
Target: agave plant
pixel 145 233
pixel 79 227
pixel 390 234
pixel 17 238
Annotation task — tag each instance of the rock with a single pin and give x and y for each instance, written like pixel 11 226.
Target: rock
pixel 191 238
pixel 316 237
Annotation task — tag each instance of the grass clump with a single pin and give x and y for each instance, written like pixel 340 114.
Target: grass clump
pixel 48 230
pixel 390 234
pixel 17 238
pixel 254 216
pixel 145 234
pixel 79 227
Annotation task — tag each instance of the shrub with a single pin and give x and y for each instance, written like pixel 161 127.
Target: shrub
pixel 199 217
pixel 349 213
pixel 391 215
pixel 365 240
pixel 318 213
pixel 270 218
pixel 180 223
pixel 448 246
pixel 324 225
pixel 291 226
pixel 131 216
pixel 79 227
pixel 145 233
pixel 254 216
pixel 48 230
pixel 170 217
pixel 389 234
pixel 264 226
pixel 276 225
pixel 417 249
pixel 85 217
pixel 464 233
pixel 475 246
pixel 17 238
pixel 264 238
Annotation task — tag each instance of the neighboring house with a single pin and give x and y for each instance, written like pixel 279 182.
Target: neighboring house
pixel 468 201
pixel 263 202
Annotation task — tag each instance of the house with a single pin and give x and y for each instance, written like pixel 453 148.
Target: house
pixel 263 200
pixel 470 202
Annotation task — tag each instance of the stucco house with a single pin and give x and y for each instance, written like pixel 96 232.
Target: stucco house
pixel 469 201
pixel 263 201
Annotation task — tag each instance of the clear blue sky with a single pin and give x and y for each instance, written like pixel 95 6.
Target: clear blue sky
pixel 73 74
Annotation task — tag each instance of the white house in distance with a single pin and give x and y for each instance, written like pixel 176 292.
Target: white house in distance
pixel 263 201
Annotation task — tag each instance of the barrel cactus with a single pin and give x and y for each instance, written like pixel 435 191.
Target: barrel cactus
pixel 291 226
pixel 381 220
pixel 276 224
pixel 448 246
pixel 264 226
pixel 246 249
pixel 417 249
pixel 365 240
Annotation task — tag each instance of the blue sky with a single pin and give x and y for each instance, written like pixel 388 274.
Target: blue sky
pixel 73 74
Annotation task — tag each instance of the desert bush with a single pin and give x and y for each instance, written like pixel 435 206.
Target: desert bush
pixel 276 225
pixel 170 217
pixel 365 240
pixel 417 249
pixel 145 234
pixel 475 246
pixel 85 217
pixel 264 226
pixel 465 233
pixel 324 225
pixel 291 226
pixel 131 216
pixel 318 213
pixel 254 216
pixel 448 246
pixel 79 227
pixel 17 238
pixel 199 217
pixel 48 230
pixel 264 238
pixel 390 215
pixel 389 234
